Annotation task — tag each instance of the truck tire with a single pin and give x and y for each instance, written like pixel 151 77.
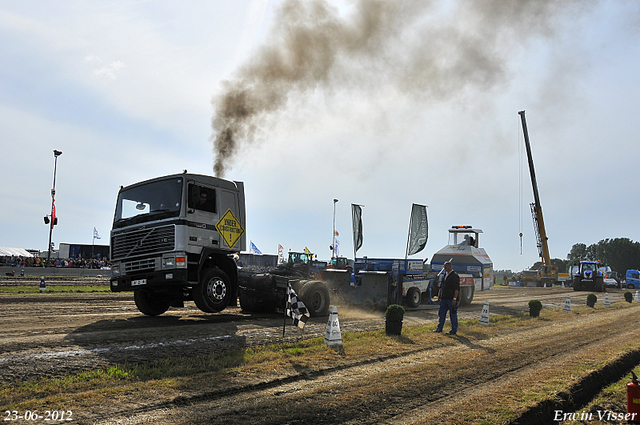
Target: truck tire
pixel 413 297
pixel 466 294
pixel 315 297
pixel 600 285
pixel 576 284
pixel 214 291
pixel 149 303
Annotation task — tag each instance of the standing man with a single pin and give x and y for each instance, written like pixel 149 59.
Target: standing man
pixel 448 297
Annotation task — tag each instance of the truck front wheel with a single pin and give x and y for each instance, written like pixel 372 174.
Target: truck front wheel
pixel 214 291
pixel 149 303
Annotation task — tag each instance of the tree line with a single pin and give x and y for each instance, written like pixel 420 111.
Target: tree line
pixel 621 254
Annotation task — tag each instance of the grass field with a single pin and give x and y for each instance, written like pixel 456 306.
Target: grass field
pixel 51 289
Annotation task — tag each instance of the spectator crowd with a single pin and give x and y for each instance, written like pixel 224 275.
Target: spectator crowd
pixel 79 263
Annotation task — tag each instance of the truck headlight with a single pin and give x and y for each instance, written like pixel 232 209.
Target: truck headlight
pixel 173 262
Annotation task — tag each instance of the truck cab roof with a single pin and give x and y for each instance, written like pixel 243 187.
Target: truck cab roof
pixel 215 181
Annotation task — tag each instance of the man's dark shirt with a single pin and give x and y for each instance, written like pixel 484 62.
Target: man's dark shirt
pixel 450 284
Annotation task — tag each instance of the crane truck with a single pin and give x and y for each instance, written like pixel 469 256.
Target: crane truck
pixel 547 273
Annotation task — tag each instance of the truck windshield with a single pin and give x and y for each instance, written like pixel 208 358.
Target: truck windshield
pixel 148 202
pixel 459 238
pixel 298 257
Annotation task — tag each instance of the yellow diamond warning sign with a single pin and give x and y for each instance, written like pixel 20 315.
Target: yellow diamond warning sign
pixel 230 228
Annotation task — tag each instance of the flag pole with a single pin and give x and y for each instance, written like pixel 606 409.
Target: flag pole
pixel 286 304
pixel 284 326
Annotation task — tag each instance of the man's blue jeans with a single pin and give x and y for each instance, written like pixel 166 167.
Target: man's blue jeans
pixel 447 305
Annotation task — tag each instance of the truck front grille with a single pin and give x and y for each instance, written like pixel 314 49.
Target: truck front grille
pixel 143 241
pixel 134 266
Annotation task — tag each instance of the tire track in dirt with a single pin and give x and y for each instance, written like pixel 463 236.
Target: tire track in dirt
pixel 394 390
pixel 92 327
pixel 581 392
pixel 94 330
pixel 447 410
pixel 44 335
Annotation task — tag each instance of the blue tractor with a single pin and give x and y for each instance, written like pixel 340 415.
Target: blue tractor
pixel 588 277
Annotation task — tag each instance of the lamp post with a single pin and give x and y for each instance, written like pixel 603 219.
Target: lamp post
pixel 56 154
pixel 333 235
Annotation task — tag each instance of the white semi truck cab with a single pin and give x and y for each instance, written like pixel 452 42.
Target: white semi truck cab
pixel 174 239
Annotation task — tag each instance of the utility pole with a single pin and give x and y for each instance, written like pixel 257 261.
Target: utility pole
pixel 54 220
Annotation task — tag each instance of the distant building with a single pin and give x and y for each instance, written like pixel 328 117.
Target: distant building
pixel 86 252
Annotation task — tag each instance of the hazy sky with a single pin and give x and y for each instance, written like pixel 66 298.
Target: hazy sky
pixel 379 103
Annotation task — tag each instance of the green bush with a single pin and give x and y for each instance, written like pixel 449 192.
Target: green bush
pixel 628 296
pixel 534 308
pixel 591 300
pixel 535 305
pixel 395 313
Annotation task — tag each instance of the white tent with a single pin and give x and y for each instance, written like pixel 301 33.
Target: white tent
pixel 18 252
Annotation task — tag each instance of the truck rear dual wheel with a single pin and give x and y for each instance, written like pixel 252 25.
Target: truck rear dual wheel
pixel 214 291
pixel 150 303
pixel 315 297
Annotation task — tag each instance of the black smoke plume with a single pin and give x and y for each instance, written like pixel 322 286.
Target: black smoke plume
pixel 424 49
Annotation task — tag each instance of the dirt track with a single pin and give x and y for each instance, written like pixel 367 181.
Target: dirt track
pixel 53 334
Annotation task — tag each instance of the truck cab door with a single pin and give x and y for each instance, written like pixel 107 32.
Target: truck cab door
pixel 202 215
pixel 229 203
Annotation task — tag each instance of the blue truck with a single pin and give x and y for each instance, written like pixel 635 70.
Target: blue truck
pixel 411 281
pixel 406 273
pixel 633 279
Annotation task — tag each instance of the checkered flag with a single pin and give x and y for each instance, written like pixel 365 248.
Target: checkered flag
pixel 296 308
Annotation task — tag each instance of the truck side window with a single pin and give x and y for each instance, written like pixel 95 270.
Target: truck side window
pixel 202 198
